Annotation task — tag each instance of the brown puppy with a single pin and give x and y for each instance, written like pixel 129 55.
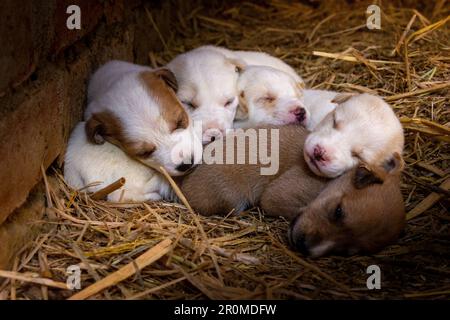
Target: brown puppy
pixel 362 210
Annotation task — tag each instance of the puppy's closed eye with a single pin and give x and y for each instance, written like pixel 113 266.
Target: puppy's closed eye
pixel 229 102
pixel 146 153
pixel 338 214
pixel 181 123
pixel 267 99
pixel 190 104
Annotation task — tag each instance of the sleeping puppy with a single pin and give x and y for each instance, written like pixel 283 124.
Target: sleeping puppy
pixel 268 96
pixel 362 128
pixel 207 88
pixel 137 114
pixel 361 211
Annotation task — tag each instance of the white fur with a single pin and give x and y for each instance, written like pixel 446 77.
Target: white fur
pixel 258 83
pixel 318 104
pixel 368 131
pixel 116 88
pixel 321 248
pixel 108 74
pixel 207 79
pixel 256 58
pixel 87 163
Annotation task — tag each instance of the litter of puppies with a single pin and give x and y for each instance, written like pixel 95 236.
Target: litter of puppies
pixel 246 256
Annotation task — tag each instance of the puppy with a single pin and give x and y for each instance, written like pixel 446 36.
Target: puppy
pixel 207 88
pixel 138 111
pixel 87 163
pixel 135 118
pixel 361 211
pixel 268 96
pixel 362 128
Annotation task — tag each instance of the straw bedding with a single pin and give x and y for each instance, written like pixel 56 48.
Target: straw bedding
pixel 246 256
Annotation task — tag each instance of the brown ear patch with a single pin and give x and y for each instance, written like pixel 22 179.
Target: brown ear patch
pixel 238 63
pixel 104 126
pixel 343 97
pixel 170 107
pixel 95 131
pixel 168 77
pixel 242 108
pixel 365 177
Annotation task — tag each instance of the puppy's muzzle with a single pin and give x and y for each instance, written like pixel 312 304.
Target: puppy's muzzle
pixel 297 240
pixel 184 167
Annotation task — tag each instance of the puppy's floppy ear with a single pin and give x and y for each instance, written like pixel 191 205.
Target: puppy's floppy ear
pixel 238 63
pixel 95 130
pixel 365 177
pixel 168 77
pixel 242 109
pixel 343 97
pixel 394 164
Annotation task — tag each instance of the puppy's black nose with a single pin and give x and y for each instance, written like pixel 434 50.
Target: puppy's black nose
pixel 300 114
pixel 299 243
pixel 184 167
pixel 319 153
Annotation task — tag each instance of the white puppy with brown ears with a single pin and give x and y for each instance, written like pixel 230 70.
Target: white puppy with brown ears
pixel 268 96
pixel 362 128
pixel 134 117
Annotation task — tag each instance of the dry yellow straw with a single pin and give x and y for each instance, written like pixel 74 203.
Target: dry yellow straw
pixel 128 270
pixel 428 202
pixel 27 278
pixel 100 194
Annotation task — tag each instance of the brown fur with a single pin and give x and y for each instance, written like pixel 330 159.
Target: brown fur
pixel 242 109
pixel 105 126
pixel 162 84
pixel 234 186
pixel 372 202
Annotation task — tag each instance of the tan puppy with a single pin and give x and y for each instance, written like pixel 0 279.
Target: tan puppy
pixel 360 211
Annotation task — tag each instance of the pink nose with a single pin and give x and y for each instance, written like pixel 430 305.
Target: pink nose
pixel 319 154
pixel 300 113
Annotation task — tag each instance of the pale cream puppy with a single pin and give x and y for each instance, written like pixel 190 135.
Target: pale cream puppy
pixel 207 88
pixel 97 166
pixel 268 96
pixel 362 128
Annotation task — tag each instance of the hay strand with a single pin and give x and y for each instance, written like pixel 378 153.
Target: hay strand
pixel 147 258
